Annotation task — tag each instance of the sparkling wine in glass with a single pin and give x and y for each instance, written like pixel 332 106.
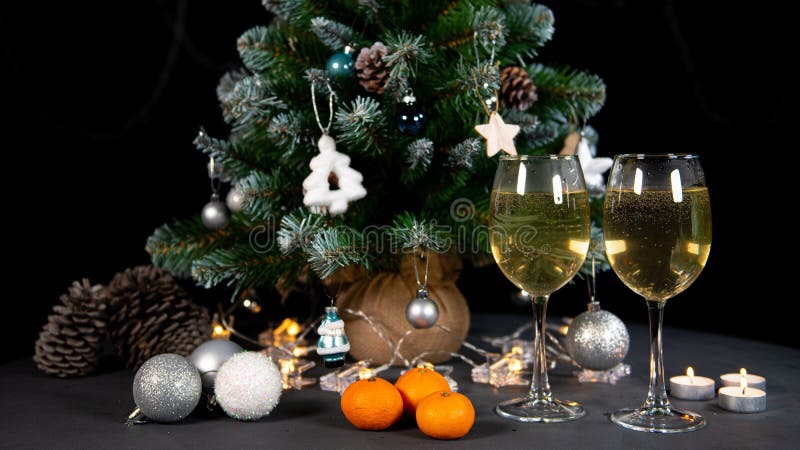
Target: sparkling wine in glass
pixel 657 227
pixel 539 232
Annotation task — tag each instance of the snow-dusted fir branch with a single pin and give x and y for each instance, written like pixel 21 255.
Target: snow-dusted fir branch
pixel 297 230
pixel 256 47
pixel 331 249
pixel 567 90
pixel 360 123
pixel 370 8
pixel 419 154
pixel 409 232
pixel 233 159
pixel 532 24
pixel 407 51
pixel 293 11
pixel 264 191
pixel 250 99
pixel 489 26
pixel 484 76
pixel 320 79
pixel 226 85
pixel 285 130
pixel 333 34
pixel 463 153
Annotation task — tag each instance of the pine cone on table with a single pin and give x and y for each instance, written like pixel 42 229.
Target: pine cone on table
pixel 152 314
pixel 71 341
pixel 517 90
pixel 370 68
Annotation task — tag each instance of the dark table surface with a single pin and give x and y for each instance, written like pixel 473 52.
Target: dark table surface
pixel 44 412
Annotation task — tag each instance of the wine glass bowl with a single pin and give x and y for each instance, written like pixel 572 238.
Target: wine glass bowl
pixel 540 233
pixel 657 230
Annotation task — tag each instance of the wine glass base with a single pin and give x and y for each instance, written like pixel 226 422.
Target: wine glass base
pixel 527 409
pixel 658 421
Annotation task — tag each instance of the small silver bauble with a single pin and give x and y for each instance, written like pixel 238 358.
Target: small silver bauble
pixel 597 339
pixel 215 214
pixel 422 312
pixel 209 357
pixel 166 388
pixel 235 198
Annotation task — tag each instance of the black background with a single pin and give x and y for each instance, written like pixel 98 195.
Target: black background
pixel 103 99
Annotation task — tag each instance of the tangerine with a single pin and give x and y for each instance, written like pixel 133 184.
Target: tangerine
pixel 445 415
pixel 418 383
pixel 373 404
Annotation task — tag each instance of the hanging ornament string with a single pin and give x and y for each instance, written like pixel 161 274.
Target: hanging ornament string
pixel 214 179
pixel 215 214
pixel 499 135
pixel 421 285
pixel 327 128
pixel 590 282
pixel 475 83
pixel 422 311
pixel 318 195
pixel 333 297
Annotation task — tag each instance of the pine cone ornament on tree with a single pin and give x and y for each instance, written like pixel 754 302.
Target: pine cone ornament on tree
pixel 517 90
pixel 70 343
pixel 370 68
pixel 152 314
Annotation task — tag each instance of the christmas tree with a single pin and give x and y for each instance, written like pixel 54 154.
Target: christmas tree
pixel 459 61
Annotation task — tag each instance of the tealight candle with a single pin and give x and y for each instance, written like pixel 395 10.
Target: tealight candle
pixel 691 387
pixel 742 399
pixel 753 381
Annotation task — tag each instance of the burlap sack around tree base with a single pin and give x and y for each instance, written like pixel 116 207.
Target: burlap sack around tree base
pixel 384 298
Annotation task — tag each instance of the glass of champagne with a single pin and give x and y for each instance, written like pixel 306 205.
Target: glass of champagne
pixel 539 232
pixel 657 227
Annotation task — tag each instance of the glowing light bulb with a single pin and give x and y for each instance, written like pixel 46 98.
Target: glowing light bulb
pixel 365 373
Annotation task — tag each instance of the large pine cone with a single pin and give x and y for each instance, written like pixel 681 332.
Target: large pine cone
pixel 152 314
pixel 517 90
pixel 370 68
pixel 71 341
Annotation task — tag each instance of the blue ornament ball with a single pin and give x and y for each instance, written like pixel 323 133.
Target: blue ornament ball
pixel 340 65
pixel 411 119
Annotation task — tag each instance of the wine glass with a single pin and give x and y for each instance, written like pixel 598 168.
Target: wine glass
pixel 657 227
pixel 539 232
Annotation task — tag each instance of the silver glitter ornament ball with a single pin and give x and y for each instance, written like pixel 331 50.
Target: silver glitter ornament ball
pixel 235 198
pixel 422 312
pixel 597 339
pixel 210 356
pixel 215 214
pixel 166 388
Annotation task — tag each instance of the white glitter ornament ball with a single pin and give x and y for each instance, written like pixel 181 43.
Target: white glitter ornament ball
pixel 248 386
pixel 166 388
pixel 597 339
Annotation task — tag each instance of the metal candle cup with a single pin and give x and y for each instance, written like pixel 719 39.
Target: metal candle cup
pixel 753 381
pixel 742 399
pixel 691 387
pixel 752 400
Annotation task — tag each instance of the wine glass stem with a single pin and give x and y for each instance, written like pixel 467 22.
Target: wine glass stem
pixel 540 386
pixel 657 401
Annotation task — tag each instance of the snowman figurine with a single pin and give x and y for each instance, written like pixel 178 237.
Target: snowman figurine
pixel 332 344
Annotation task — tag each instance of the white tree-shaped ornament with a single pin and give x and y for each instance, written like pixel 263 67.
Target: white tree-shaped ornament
pixel 318 194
